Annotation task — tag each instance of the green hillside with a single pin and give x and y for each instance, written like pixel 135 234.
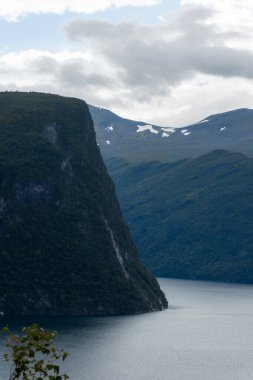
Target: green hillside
pixel 192 218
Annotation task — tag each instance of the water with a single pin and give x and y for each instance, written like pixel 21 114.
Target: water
pixel 207 334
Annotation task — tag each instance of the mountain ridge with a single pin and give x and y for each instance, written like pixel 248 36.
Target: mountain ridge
pixel 137 142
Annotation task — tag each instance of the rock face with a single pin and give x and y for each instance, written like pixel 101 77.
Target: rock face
pixel 64 247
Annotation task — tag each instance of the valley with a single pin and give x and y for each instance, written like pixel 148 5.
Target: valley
pixel 187 197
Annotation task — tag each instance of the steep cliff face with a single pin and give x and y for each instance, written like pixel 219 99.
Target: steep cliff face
pixel 64 247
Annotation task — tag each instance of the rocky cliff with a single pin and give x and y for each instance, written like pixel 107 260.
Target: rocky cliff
pixel 64 247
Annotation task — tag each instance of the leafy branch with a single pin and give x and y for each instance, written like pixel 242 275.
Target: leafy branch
pixel 33 355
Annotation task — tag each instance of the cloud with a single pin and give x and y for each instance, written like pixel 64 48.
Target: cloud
pixel 177 71
pixel 230 14
pixel 87 76
pixel 13 9
pixel 220 4
pixel 64 72
pixel 171 73
pixel 157 57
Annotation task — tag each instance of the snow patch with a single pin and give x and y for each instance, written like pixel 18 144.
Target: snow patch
pixel 168 129
pixel 164 134
pixel 109 128
pixel 147 127
pixel 108 142
pixel 202 121
pixel 185 132
pixel 223 129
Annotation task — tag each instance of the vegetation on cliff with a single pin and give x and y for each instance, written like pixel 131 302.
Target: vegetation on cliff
pixel 64 247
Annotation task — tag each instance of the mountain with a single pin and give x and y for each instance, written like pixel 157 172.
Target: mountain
pixel 138 142
pixel 64 247
pixel 184 193
pixel 192 218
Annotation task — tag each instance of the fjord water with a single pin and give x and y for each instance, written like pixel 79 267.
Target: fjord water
pixel 206 334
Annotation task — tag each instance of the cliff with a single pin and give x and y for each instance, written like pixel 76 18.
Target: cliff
pixel 64 247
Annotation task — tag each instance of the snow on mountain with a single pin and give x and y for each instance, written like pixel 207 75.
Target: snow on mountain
pixel 136 141
pixel 109 128
pixel 147 127
pixel 185 132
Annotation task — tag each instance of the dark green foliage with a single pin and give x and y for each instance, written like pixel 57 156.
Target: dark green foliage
pixel 192 218
pixel 33 355
pixel 60 223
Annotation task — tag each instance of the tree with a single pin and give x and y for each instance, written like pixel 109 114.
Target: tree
pixel 33 355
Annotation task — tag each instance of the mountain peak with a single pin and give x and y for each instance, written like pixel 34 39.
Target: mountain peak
pixel 137 141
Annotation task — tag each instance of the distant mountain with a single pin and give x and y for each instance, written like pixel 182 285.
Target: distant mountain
pixel 137 142
pixel 64 247
pixel 192 218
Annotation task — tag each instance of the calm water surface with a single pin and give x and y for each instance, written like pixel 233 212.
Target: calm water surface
pixel 207 334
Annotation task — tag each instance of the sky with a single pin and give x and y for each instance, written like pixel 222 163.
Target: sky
pixel 165 62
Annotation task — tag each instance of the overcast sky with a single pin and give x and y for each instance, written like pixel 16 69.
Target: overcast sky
pixel 166 62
